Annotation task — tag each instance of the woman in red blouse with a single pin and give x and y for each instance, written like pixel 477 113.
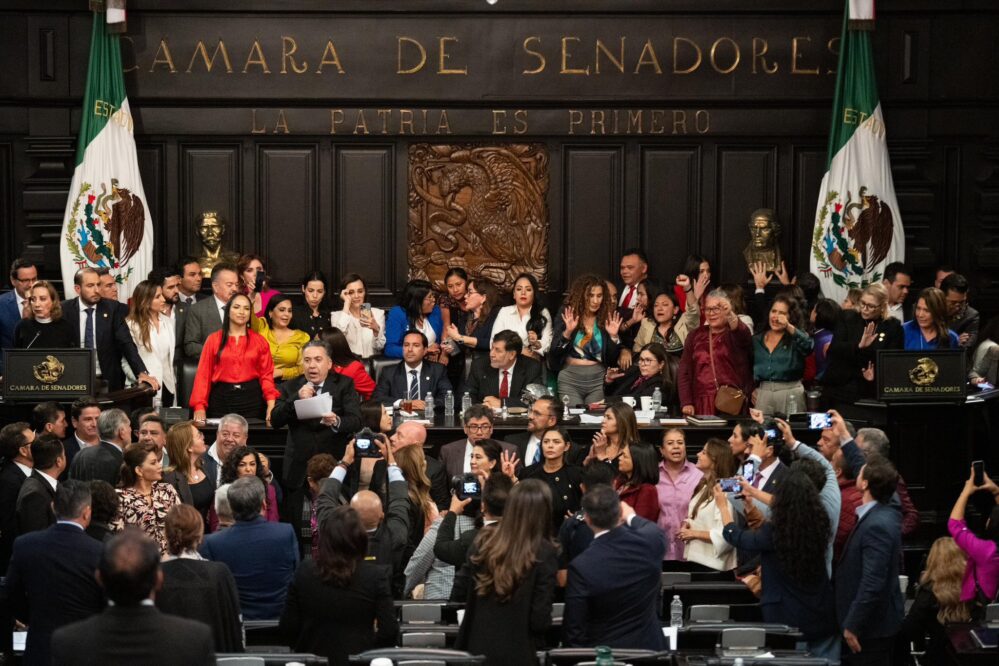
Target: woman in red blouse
pixel 236 371
pixel 636 482
pixel 346 362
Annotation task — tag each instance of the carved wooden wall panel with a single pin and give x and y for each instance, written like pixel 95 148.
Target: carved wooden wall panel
pixel 287 229
pixel 593 186
pixel 670 200
pixel 211 179
pixel 365 211
pixel 480 207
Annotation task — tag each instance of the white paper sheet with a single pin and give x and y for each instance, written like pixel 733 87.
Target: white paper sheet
pixel 314 407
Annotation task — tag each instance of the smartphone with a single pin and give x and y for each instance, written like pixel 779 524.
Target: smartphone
pixel 730 485
pixel 819 421
pixel 366 309
pixel 985 386
pixel 749 469
pixel 259 280
pixel 978 471
pixel 772 433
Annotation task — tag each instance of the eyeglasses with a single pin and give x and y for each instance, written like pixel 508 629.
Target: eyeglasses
pixel 713 308
pixel 868 306
pixel 479 427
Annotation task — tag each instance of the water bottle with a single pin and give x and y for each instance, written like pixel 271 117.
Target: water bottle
pixel 449 403
pixel 676 612
pixel 565 408
pixel 657 400
pixel 792 404
pixel 503 410
pixel 428 411
pixel 603 656
pixel 466 402
pixel 738 662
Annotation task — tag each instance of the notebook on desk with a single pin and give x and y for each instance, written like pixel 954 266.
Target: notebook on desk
pixel 986 638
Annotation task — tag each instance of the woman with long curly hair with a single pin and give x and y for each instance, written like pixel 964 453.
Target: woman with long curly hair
pixel 422 511
pixel 508 611
pixel 938 603
pixel 339 604
pixel 702 530
pixel 153 334
pixel 792 547
pixel 585 340
pixel 245 461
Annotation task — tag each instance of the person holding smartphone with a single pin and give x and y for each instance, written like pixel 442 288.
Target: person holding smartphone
pixel 254 283
pixel 363 325
pixel 981 578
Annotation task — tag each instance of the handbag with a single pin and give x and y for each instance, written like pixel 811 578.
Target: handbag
pixel 728 399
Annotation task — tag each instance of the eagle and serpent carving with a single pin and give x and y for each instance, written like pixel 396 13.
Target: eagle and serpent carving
pixel 482 208
pixel 873 225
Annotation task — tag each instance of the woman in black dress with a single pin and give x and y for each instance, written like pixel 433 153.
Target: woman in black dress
pixel 44 328
pixel 509 607
pixel 654 369
pixel 186 447
pixel 562 479
pixel 312 315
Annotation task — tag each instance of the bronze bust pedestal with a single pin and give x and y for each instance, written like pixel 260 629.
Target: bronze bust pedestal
pixel 210 231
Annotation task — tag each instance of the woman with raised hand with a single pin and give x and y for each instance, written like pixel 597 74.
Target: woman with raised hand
pixel 363 326
pixel 527 317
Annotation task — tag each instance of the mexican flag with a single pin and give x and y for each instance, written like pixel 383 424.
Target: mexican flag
pixel 858 226
pixel 107 223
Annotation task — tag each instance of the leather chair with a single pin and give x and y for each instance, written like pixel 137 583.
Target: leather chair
pixel 379 363
pixel 186 370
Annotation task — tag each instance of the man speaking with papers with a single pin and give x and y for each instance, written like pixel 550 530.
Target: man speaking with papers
pixel 321 410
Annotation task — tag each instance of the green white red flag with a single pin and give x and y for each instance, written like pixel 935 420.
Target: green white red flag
pixel 107 223
pixel 858 226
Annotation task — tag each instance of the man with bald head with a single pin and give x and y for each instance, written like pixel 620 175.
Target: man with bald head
pixel 388 533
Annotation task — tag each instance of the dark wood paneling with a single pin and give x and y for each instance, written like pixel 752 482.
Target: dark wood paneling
pixel 670 206
pixel 153 169
pixel 287 231
pixel 809 168
pixel 747 180
pixel 364 192
pixel 210 180
pixel 918 171
pixel 593 178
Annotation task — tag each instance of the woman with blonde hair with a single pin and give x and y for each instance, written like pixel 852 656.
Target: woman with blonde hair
pixel 422 510
pixel 858 337
pixel 153 334
pixel 508 611
pixel 937 603
pixel 44 327
pixel 703 530
pixel 186 449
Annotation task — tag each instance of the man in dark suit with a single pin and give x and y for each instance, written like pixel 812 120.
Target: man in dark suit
pixel 412 379
pixel 543 415
pixel 503 374
pixel 100 324
pixel 328 434
pixel 34 501
pixel 132 631
pixel 633 270
pixel 613 586
pixel 84 413
pixel 478 423
pixel 765 447
pixel 869 603
pixel 190 280
pixel 23 274
pixel 205 316
pixel 261 555
pixel 15 447
pixel 107 287
pixel 51 581
pixel 104 460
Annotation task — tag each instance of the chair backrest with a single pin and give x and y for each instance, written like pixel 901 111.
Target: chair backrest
pixel 558 610
pixel 425 639
pixel 421 662
pixel 992 613
pixel 421 613
pixel 401 655
pixel 674 577
pixel 743 637
pixel 709 613
pixel 379 363
pixel 240 661
pixel 185 380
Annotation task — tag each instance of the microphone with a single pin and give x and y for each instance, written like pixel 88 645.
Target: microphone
pixel 33 340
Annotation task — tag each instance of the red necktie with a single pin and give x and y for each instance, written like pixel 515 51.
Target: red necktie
pixel 627 298
pixel 505 385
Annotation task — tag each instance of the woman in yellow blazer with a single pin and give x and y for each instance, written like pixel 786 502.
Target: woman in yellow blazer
pixel 286 343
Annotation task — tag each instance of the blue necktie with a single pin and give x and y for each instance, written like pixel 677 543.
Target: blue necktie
pixel 88 333
pixel 414 386
pixel 537 454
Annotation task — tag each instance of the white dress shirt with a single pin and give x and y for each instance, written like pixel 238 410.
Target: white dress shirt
pixel 409 383
pixel 533 444
pixel 509 378
pixel 362 340
pixel 509 319
pixel 159 359
pixel 83 329
pixel 466 466
pixel 52 482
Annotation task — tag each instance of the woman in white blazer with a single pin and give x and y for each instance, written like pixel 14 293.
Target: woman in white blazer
pixel 153 334
pixel 526 317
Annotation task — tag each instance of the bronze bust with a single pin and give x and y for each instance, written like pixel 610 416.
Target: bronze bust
pixel 210 230
pixel 764 232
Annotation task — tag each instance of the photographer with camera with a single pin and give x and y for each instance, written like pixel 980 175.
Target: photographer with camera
pixel 388 531
pixel 484 497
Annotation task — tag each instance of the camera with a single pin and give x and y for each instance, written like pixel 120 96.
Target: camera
pixel 364 444
pixel 730 485
pixel 819 421
pixel 466 486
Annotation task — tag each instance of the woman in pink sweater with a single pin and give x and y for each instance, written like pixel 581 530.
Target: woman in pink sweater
pixel 982 574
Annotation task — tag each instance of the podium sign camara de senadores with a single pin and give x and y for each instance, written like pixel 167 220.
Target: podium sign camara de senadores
pixel 922 376
pixel 37 375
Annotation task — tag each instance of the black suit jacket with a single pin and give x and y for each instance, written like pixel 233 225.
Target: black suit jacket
pixel 868 598
pixel 612 595
pixel 133 635
pixel 34 505
pixel 203 591
pixel 113 340
pixel 484 380
pixel 843 380
pixel 51 583
pixel 101 462
pixel 335 622
pixel 393 383
pixel 775 478
pixel 307 438
pixel 11 480
pixel 180 310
